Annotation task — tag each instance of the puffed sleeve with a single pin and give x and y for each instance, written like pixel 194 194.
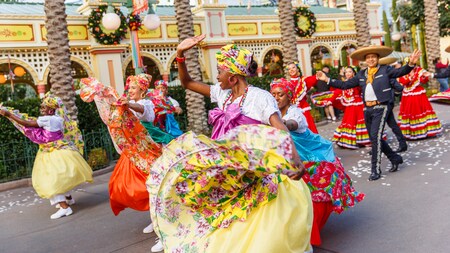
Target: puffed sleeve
pixel 149 114
pixel 296 114
pixel 51 123
pixel 266 105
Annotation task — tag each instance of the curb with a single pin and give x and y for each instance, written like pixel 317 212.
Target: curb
pixel 26 182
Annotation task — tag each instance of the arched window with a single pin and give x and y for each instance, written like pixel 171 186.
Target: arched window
pixel 16 82
pixel 273 63
pixel 346 51
pixel 150 68
pixel 320 57
pixel 173 75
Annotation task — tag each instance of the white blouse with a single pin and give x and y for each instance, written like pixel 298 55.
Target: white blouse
pixel 149 114
pixel 51 123
pixel 296 114
pixel 258 104
pixel 174 102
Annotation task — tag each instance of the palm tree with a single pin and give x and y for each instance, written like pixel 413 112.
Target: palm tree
pixel 361 23
pixel 59 54
pixel 432 38
pixel 288 38
pixel 195 102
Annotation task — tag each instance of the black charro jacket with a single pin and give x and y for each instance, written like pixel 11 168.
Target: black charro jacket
pixel 444 74
pixel 381 82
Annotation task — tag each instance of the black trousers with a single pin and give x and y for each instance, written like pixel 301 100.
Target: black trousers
pixel 392 123
pixel 375 117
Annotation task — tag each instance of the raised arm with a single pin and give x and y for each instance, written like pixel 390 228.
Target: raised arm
pixel 404 70
pixel 25 123
pixel 186 81
pixel 350 83
pixel 310 81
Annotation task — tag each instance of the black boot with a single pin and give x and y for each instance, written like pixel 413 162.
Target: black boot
pixel 375 175
pixel 402 148
pixel 395 165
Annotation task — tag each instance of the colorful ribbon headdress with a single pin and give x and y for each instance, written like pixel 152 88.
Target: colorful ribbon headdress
pixel 161 82
pixel 51 101
pixel 284 84
pixel 235 60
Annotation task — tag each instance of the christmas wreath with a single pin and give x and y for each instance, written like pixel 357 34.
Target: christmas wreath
pixel 305 22
pixel 100 36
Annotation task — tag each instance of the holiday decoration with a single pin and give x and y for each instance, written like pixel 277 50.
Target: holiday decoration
pixel 19 71
pixel 101 36
pixel 305 22
pixel 134 22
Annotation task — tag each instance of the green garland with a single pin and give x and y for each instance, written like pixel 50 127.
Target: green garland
pixel 305 12
pixel 101 37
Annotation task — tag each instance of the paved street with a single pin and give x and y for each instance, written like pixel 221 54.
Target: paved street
pixel 406 211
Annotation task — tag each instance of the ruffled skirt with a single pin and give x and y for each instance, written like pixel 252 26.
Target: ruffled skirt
pixel 229 195
pixel 352 132
pixel 417 118
pixel 127 187
pixel 58 172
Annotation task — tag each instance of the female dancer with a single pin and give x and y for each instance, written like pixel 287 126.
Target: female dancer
pixel 219 196
pixel 331 188
pixel 59 165
pixel 416 117
pixel 123 117
pixel 168 122
pixel 352 132
pixel 302 86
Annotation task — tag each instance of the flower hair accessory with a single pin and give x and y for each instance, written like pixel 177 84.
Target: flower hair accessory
pixel 141 80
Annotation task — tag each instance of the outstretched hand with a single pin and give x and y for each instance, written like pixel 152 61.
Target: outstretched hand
pixel 321 76
pixel 415 56
pixel 296 175
pixel 426 74
pixel 123 100
pixel 4 113
pixel 189 43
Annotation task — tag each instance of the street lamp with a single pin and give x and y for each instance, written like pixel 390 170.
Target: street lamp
pixel 112 21
pixel 151 21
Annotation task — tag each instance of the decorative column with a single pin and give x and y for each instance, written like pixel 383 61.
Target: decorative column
pixel 41 89
pixel 165 77
pixel 215 30
pixel 376 32
pixel 107 65
pixel 259 71
pixel 304 56
pixel 336 61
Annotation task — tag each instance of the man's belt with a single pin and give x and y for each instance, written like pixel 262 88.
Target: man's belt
pixel 372 103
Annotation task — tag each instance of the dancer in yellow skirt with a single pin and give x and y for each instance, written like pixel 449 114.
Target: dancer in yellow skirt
pixel 59 165
pixel 240 190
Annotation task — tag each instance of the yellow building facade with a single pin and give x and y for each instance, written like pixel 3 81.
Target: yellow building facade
pixel 23 43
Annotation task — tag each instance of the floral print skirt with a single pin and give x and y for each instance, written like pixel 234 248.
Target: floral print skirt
pixel 216 195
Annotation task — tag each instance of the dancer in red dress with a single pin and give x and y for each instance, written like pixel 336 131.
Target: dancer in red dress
pixel 302 86
pixel 352 132
pixel 416 117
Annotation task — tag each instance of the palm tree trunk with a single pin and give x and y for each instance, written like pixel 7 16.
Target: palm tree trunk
pixel 361 23
pixel 59 54
pixel 288 36
pixel 195 102
pixel 432 38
